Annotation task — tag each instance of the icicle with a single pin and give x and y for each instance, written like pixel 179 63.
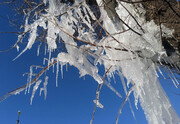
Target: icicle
pixel 41 89
pixel 30 78
pixel 29 87
pixel 26 85
pixel 49 60
pixel 31 73
pixel 120 110
pixel 170 62
pixel 44 61
pixel 125 90
pixel 53 68
pixel 114 78
pixel 89 11
pixel 83 19
pixel 176 68
pixel 34 89
pixel 171 77
pixel 177 83
pixel 20 54
pixel 136 99
pixel 38 49
pixel 66 67
pixel 17 47
pixel 128 82
pixel 109 77
pixel 57 71
pixel 45 50
pixel 112 88
pixel 86 14
pixel 166 61
pixel 161 72
pixel 153 65
pixel 62 71
pixel 45 87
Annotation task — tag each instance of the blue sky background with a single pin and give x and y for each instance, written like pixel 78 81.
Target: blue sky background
pixel 69 103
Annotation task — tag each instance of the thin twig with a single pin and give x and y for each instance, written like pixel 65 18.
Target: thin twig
pixel 98 93
pixel 8 2
pixel 122 106
pixel 30 83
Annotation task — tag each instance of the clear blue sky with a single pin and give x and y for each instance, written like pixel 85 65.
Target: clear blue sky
pixel 71 102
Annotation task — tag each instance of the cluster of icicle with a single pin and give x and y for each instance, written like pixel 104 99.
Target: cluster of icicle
pixel 132 54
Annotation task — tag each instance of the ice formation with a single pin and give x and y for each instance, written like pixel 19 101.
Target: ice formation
pixel 36 86
pixel 130 45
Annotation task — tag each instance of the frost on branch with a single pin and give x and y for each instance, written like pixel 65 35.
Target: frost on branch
pixel 108 33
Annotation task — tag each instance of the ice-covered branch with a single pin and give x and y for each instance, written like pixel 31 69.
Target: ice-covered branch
pixel 112 33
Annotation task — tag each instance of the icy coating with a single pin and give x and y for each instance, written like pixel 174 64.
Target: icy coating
pixel 132 54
